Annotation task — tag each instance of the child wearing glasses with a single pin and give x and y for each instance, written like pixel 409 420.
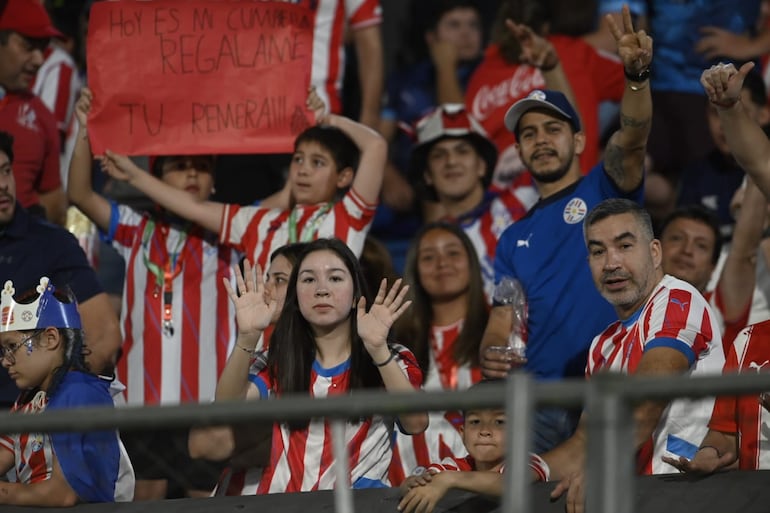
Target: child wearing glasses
pixel 42 347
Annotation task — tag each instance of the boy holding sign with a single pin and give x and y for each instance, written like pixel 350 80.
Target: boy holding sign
pixel 325 196
pixel 176 338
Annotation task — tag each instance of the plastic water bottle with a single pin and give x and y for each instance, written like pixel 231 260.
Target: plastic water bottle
pixel 510 292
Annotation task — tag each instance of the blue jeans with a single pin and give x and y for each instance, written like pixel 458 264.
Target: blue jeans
pixel 552 426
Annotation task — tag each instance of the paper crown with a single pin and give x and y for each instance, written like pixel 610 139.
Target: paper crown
pixel 46 311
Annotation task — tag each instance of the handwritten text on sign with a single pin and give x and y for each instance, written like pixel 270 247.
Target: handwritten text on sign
pixel 193 77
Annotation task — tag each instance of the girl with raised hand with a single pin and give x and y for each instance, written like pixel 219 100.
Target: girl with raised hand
pixel 326 342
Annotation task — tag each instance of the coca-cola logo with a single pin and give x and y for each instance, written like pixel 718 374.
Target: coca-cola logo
pixel 491 97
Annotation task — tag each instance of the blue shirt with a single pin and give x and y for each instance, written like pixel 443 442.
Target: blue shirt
pixel 712 182
pixel 90 461
pixel 546 252
pixel 675 27
pixel 31 248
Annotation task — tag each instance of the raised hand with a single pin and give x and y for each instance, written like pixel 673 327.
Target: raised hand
pixel 634 46
pixel 723 83
pixel 706 461
pixel 83 106
pixel 442 52
pixel 118 166
pixel 536 50
pixel 317 105
pixel 253 310
pixel 374 325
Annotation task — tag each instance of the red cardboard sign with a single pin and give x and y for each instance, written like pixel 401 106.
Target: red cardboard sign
pixel 195 77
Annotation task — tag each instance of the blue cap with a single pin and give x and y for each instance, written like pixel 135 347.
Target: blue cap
pixel 546 99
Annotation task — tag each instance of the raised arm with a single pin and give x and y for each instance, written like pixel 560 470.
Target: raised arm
pixel 253 315
pixel 371 71
pixel 207 214
pixel 745 138
pixel 79 188
pixel 625 152
pixel 738 278
pixel 373 328
pixel 373 147
pixel 538 52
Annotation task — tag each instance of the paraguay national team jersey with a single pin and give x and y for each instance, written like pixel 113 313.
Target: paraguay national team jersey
pixel 678 317
pixel 258 231
pixel 94 463
pixel 442 438
pixel 301 460
pixel 331 19
pixel 749 353
pixel 181 364
pixel 485 225
pixel 546 252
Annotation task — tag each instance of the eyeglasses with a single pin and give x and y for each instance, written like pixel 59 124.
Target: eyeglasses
pixel 9 352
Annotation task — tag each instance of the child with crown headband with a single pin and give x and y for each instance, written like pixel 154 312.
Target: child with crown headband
pixel 42 347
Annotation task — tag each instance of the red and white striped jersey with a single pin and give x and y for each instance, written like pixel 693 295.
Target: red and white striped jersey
pixel 465 464
pixel 332 19
pixel 485 225
pixel 442 439
pixel 729 330
pixel 258 231
pixel 33 451
pixel 58 84
pixel 301 460
pixel 744 415
pixel 676 316
pixel 183 364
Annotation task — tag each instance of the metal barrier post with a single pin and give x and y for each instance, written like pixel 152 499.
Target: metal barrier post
pixel 610 456
pixel 343 495
pixel 519 414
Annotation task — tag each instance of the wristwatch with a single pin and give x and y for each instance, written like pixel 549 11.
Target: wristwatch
pixel 638 77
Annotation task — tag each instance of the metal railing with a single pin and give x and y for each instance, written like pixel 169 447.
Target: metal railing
pixel 608 399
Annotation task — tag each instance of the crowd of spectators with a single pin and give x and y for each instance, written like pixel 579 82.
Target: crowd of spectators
pixel 603 155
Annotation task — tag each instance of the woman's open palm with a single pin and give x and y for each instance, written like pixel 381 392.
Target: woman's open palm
pixel 374 325
pixel 252 311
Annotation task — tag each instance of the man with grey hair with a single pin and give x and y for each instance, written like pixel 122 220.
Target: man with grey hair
pixel 664 327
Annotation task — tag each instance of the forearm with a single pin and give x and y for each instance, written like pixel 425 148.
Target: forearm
pixel 748 143
pixel 738 278
pixel 79 175
pixel 374 154
pixel 395 380
pixel 234 381
pixel 498 327
pixel 212 443
pixel 723 443
pixel 55 204
pixel 448 88
pixel 556 79
pixel 52 492
pixel 626 149
pixel 371 72
pixel 207 214
pixel 102 332
pixel 567 458
pixel 486 482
